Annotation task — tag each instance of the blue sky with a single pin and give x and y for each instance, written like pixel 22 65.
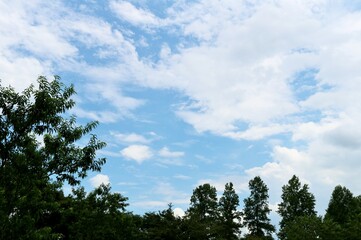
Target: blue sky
pixel 188 92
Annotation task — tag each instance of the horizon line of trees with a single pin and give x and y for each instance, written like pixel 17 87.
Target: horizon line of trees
pixel 40 151
pixel 210 219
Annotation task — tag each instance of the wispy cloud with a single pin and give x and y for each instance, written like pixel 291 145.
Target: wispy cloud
pixel 182 177
pixel 132 14
pixel 130 138
pixel 166 153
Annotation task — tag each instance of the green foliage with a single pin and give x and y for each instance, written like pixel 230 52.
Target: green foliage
pixel 303 227
pixel 341 205
pixel 352 229
pixel 38 146
pixel 256 210
pixel 330 230
pixel 162 225
pixel 229 216
pixel 297 201
pixel 204 202
pixel 97 215
pixel 344 210
pixel 201 217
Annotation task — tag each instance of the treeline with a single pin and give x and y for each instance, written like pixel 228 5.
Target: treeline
pixel 102 215
pixel 39 153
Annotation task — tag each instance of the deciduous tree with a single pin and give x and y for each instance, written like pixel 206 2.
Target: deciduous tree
pixel 162 225
pixel 38 152
pixel 97 215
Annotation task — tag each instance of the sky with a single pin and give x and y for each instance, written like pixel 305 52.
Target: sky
pixel 206 91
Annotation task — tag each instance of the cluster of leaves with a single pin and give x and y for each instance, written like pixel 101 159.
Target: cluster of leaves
pixel 39 152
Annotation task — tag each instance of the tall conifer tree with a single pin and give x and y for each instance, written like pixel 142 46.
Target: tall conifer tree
pixel 202 214
pixel 229 216
pixel 297 201
pixel 256 210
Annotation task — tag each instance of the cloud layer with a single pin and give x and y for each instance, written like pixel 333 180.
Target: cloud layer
pixel 275 71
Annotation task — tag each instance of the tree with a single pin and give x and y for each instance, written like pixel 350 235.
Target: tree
pixel 345 210
pixel 304 227
pixel 256 210
pixel 297 201
pixel 162 225
pixel 352 230
pixel 229 216
pixel 38 152
pixel 330 230
pixel 97 215
pixel 201 217
pixel 341 205
pixel 354 226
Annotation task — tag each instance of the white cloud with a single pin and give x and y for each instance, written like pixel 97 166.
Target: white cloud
pixel 240 182
pixel 48 39
pixel 235 80
pixel 238 82
pixel 107 153
pixel 99 179
pixel 112 95
pixel 160 195
pixel 241 84
pixel 165 162
pixel 130 13
pixel 101 116
pixel 286 161
pixel 33 33
pixel 138 153
pixel 17 69
pixel 170 194
pixel 20 72
pixel 130 138
pixel 203 19
pixel 30 50
pixel 182 177
pixel 259 132
pixel 178 212
pixel 166 153
pixel 329 157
